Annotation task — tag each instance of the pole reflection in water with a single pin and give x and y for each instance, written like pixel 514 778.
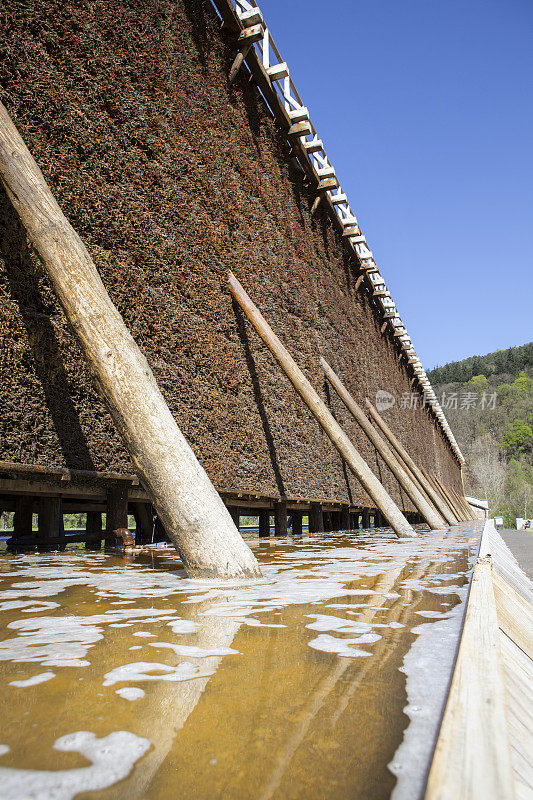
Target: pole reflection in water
pixel 128 679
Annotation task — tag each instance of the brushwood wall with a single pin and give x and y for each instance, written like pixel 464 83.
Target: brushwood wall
pixel 172 178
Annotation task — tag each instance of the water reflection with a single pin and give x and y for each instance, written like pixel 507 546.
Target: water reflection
pixel 288 687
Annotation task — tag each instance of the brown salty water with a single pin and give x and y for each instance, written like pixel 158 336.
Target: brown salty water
pixel 122 678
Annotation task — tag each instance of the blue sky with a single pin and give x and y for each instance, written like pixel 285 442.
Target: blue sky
pixel 425 108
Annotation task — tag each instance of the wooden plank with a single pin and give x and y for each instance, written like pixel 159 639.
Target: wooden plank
pixel 472 759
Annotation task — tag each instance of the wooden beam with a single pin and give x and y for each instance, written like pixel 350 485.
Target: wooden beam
pixel 184 497
pixel 406 461
pixel 428 511
pixel 321 413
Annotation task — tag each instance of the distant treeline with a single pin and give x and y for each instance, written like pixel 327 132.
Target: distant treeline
pixel 509 361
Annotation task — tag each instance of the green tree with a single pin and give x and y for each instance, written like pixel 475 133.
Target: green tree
pixel 517 438
pixel 478 383
pixel 522 384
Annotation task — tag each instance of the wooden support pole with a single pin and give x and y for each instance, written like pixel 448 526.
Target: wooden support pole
pixel 466 513
pixel 440 493
pixel 94 522
pixel 316 519
pixel 316 202
pixel 184 497
pixel 406 460
pixel 297 523
pixel 431 516
pixel 321 413
pixel 144 521
pixel 50 513
pixel 280 518
pixel 264 523
pixel 93 526
pixel 23 518
pixel 459 513
pixel 117 507
pixel 464 504
pixel 345 518
pixel 238 62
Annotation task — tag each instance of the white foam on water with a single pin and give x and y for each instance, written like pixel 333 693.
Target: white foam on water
pixel 130 693
pixel 36 679
pixel 325 622
pixel 152 671
pixel 195 652
pixel 28 606
pixel 4 748
pixel 183 626
pixel 136 647
pixel 144 634
pixel 342 647
pixel 65 641
pixel 112 758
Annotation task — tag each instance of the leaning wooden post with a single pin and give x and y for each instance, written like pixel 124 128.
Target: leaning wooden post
pixel 433 519
pixel 445 498
pixel 463 503
pixel 184 497
pixel 321 412
pixel 459 513
pixel 404 457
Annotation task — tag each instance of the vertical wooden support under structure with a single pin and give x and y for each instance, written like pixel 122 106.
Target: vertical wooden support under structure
pixel 345 518
pixel 297 518
pixel 144 522
pixel 316 518
pixel 280 518
pixel 49 517
pixel 365 518
pixel 93 525
pixel 264 523
pixel 321 413
pixel 23 518
pixel 117 507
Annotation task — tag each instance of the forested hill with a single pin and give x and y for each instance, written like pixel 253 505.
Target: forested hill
pixel 501 363
pixel 488 401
